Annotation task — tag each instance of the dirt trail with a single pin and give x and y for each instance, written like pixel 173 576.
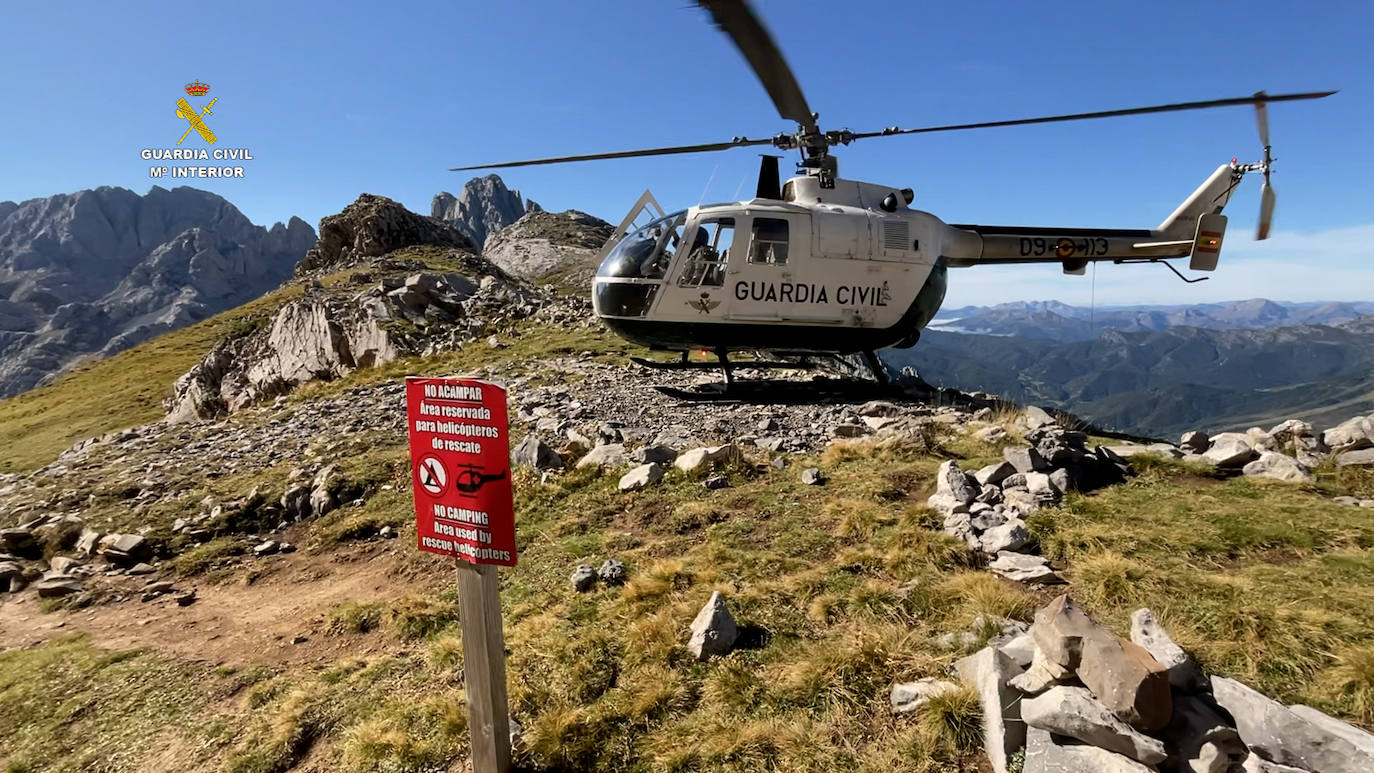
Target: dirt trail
pixel 232 621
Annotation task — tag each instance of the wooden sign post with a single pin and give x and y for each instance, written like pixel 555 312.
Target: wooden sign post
pixel 484 668
pixel 460 455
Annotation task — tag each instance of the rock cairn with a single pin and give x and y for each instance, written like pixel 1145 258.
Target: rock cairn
pixel 1070 695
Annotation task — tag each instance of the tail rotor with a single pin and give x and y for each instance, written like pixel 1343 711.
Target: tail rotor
pixel 1267 196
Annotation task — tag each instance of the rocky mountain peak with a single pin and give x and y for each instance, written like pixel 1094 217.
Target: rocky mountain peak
pixel 95 271
pixel 373 226
pixel 484 206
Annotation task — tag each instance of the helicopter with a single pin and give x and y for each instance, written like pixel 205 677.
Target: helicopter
pixel 827 266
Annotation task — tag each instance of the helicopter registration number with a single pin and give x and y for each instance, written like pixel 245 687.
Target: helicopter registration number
pixel 1062 247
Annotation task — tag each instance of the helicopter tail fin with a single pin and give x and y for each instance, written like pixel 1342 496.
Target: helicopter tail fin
pixel 1208 199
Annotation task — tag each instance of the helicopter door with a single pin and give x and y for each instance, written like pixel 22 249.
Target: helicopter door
pixel 770 280
pixel 698 289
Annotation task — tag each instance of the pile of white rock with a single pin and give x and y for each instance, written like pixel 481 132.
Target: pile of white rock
pixel 1288 451
pixel 1076 697
pixel 987 509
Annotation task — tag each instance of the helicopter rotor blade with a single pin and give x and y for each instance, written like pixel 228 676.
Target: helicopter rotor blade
pixel 1262 117
pixel 1266 217
pixel 738 142
pixel 1257 99
pixel 736 19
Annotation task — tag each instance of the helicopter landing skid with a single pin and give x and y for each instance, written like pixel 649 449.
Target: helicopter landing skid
pixel 689 365
pixel 786 392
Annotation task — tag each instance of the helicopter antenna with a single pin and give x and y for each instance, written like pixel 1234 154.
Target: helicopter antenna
pixel 707 189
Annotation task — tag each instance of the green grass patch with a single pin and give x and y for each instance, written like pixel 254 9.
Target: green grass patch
pixel 67 706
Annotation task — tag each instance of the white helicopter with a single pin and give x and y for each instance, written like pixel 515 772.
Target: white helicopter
pixel 829 266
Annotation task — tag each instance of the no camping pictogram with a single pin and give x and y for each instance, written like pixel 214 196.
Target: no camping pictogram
pixel 432 476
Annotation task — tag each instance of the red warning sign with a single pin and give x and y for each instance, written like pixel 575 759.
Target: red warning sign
pixel 460 457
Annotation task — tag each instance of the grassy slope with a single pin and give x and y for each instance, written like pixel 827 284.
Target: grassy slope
pixel 841 589
pixel 117 392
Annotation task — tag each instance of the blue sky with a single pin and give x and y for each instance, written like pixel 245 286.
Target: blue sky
pixel 340 98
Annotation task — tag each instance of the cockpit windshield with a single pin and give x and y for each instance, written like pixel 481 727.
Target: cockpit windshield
pixel 644 254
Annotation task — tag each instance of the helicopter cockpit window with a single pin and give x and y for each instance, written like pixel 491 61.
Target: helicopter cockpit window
pixel 645 253
pixel 708 251
pixel 770 241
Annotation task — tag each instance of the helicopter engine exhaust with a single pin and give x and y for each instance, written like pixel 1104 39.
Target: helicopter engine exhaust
pixel 770 185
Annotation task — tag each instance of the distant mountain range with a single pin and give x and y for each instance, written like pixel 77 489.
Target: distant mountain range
pixel 1057 321
pixel 1164 381
pixel 86 274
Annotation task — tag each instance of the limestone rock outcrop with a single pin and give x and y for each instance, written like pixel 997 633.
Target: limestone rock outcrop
pixel 88 274
pixel 370 227
pixel 546 246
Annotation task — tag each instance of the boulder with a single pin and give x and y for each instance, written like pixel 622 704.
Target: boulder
pixel 1073 712
pixel 1200 739
pixel 1127 680
pixel 296 502
pixel 64 565
pixel 1363 741
pixel 1183 673
pixel 713 630
pixel 19 542
pixel 1350 435
pixel 988 671
pixel 604 455
pixel 1260 440
pixel 125 550
pixel 59 534
pixel 1278 467
pixel 534 453
pixel 653 454
pixel 641 477
pixel 86 543
pixel 812 476
pixel 57 586
pixel 699 458
pixel 953 482
pixel 1025 459
pixel 1279 735
pixel 322 499
pixel 1231 450
pixel 1361 458
pixel 1040 674
pixel 993 474
pixel 990 434
pixel 1020 647
pixel 1040 487
pixel 1010 536
pixel 583 578
pixel 612 572
pixel 1257 764
pixel 1060 480
pixel 1047 753
pixel 907 697
pixel 1194 442
pixel 1021 567
pixel 1037 417
pixel 1285 433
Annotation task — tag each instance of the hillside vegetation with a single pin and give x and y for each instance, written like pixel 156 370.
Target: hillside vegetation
pixel 286 621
